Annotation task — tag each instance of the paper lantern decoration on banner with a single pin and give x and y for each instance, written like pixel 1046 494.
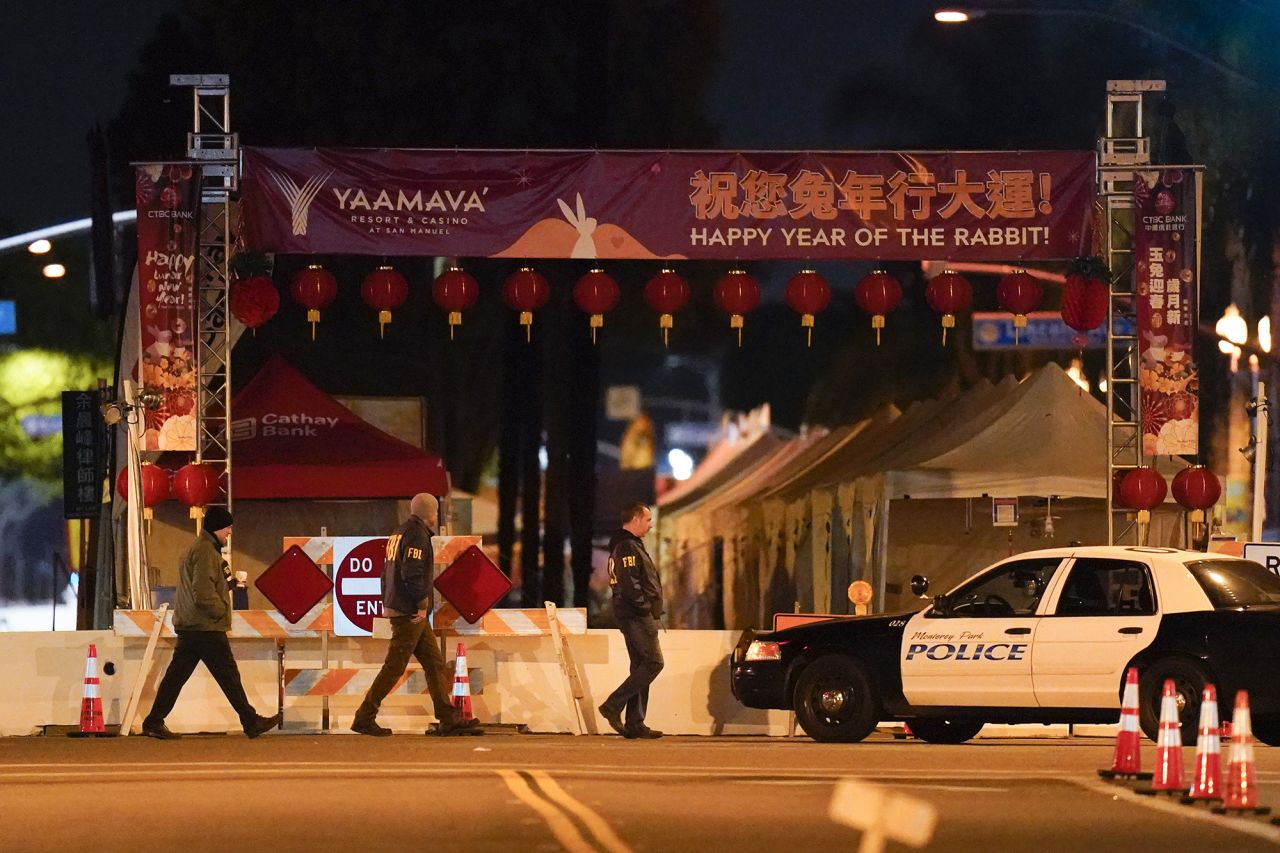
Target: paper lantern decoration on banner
pixel 1019 293
pixel 254 300
pixel 737 294
pixel 155 486
pixel 1196 489
pixel 878 293
pixel 314 288
pixel 596 293
pixel 1085 299
pixel 384 290
pixel 1142 489
pixel 667 292
pixel 197 485
pixel 948 293
pixel 455 290
pixel 525 290
pixel 808 294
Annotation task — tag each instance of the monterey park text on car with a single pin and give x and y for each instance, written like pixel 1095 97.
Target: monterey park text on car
pixel 1041 637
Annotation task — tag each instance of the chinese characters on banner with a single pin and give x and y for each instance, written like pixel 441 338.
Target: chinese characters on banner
pixel 1166 206
pixel 768 205
pixel 168 200
pixel 82 451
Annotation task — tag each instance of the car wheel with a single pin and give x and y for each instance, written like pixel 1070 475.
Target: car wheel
pixel 1189 678
pixel 933 730
pixel 835 701
pixel 1267 731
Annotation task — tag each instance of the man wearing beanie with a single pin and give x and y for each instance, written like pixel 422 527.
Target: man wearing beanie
pixel 201 619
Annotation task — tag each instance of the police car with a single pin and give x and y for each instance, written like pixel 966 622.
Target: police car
pixel 1042 637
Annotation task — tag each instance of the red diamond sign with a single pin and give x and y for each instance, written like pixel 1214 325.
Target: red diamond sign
pixel 294 584
pixel 472 584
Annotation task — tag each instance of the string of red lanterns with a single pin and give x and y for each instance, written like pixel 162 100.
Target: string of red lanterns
pixel 596 293
pixel 737 294
pixel 384 290
pixel 455 290
pixel 948 293
pixel 314 288
pixel 667 293
pixel 808 294
pixel 1019 293
pixel 197 485
pixel 878 293
pixel 525 290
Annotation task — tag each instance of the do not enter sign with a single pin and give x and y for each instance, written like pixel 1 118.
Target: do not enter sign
pixel 357 584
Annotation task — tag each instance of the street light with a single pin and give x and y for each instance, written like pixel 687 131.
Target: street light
pixel 965 14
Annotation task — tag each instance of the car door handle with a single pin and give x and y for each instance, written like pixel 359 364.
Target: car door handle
pixel 1131 630
pixel 1017 631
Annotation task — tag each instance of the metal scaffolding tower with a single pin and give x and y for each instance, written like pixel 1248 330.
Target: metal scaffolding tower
pixel 216 150
pixel 1121 152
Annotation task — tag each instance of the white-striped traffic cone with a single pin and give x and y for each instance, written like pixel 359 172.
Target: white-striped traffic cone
pixel 1241 793
pixel 1168 777
pixel 91 704
pixel 1126 762
pixel 462 685
pixel 1206 783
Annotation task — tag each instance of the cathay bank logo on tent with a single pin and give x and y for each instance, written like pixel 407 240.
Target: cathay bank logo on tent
pixel 300 197
pixel 293 424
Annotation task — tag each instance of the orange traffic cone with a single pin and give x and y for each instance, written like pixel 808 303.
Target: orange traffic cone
pixel 1241 793
pixel 1207 783
pixel 91 705
pixel 1127 760
pixel 462 685
pixel 1168 775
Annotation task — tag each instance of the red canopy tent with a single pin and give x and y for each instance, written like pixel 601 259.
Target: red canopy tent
pixel 292 440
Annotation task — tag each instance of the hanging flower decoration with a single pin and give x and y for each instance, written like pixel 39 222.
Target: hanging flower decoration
pixel 254 300
pixel 948 293
pixel 1196 489
pixel 737 294
pixel 455 290
pixel 197 485
pixel 525 290
pixel 155 486
pixel 667 292
pixel 1086 297
pixel 878 293
pixel 314 288
pixel 384 290
pixel 1019 293
pixel 1142 489
pixel 808 294
pixel 596 293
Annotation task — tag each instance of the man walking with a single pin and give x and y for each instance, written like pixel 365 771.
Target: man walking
pixel 201 619
pixel 406 601
pixel 637 606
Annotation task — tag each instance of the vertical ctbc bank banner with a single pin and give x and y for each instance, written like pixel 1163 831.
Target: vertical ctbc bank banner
pixel 701 205
pixel 168 201
pixel 1167 258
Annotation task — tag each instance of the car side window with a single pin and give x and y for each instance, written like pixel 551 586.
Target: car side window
pixel 1098 587
pixel 1013 589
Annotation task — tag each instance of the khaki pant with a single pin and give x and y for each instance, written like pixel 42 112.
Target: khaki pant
pixel 410 638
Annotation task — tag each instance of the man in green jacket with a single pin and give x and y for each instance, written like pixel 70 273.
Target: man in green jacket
pixel 201 619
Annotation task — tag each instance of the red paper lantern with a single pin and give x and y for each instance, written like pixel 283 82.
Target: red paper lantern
pixel 525 290
pixel 808 294
pixel 197 485
pixel 878 293
pixel 1019 293
pixel 737 294
pixel 948 293
pixel 384 290
pixel 455 290
pixel 1196 489
pixel 314 288
pixel 667 292
pixel 1084 303
pixel 1142 489
pixel 596 293
pixel 254 300
pixel 155 486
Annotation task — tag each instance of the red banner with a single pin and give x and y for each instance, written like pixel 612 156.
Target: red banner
pixel 1166 209
pixel 168 199
pixel 988 205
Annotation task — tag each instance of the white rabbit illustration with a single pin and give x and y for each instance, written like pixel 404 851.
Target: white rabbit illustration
pixel 1154 352
pixel 586 225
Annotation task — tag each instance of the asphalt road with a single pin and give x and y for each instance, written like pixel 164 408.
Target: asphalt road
pixel 546 793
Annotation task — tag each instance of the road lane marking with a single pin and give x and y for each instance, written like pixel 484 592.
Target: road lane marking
pixel 560 825
pixel 1248 827
pixel 595 824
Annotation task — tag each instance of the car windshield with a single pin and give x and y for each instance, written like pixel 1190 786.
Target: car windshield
pixel 1236 583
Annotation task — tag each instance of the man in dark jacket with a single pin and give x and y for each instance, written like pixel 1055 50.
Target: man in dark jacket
pixel 637 606
pixel 201 619
pixel 406 601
